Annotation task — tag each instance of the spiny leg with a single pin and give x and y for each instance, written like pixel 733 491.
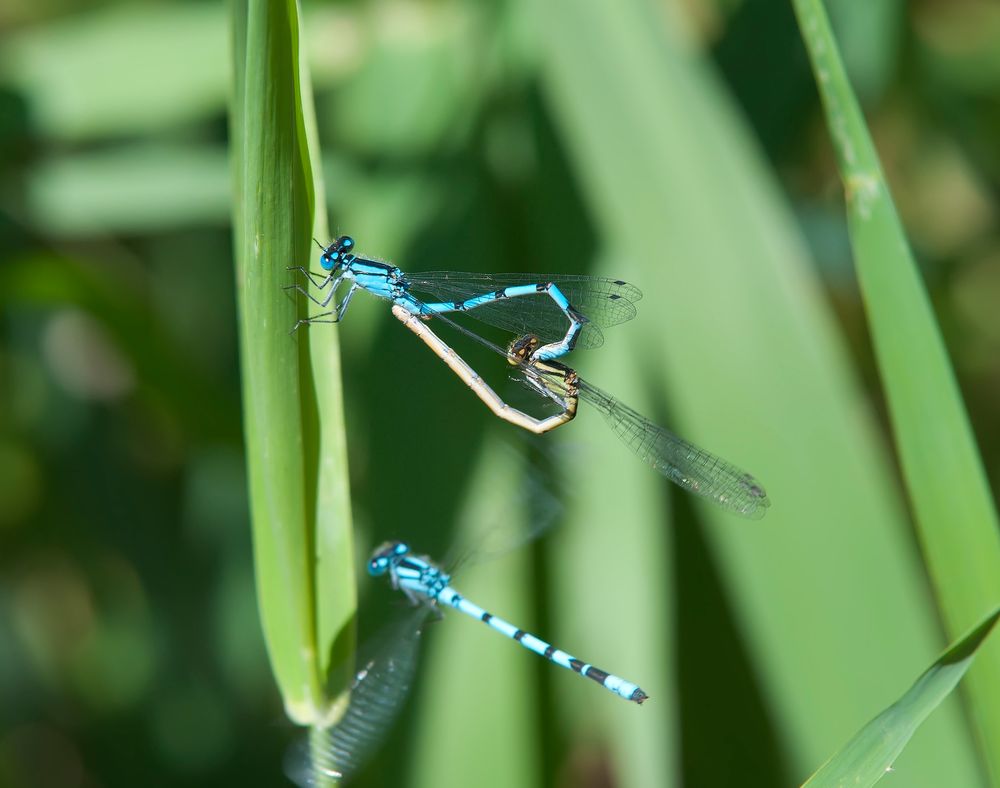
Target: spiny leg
pixel 324 302
pixel 562 390
pixel 330 280
pixel 342 308
pixel 306 321
pixel 338 313
pixel 326 277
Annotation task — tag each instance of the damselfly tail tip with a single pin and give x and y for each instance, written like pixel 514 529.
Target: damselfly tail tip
pixel 638 696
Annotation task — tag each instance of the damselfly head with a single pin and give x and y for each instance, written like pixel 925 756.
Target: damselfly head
pixel 520 349
pixel 385 555
pixel 337 254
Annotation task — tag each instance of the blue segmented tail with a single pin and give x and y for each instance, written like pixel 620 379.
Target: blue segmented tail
pixel 383 681
pixel 420 579
pixel 616 684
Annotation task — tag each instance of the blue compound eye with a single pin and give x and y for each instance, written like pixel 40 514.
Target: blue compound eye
pixel 346 243
pixel 328 260
pixel 401 548
pixel 377 566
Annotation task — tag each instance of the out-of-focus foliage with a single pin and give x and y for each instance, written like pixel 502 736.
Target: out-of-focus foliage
pixel 469 135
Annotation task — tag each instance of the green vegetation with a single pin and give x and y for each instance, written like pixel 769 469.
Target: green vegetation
pixel 293 417
pixel 870 754
pixel 178 563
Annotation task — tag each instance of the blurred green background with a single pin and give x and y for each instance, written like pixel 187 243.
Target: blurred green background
pixel 485 136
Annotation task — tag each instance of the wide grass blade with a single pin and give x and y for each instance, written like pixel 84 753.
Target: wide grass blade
pixel 735 332
pixel 868 757
pixel 951 499
pixel 292 400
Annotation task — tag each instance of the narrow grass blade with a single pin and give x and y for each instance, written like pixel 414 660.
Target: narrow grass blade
pixel 869 756
pixel 955 513
pixel 292 407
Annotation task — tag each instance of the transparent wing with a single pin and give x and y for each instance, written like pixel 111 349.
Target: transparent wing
pixel 694 469
pixel 684 463
pixel 527 515
pixel 378 693
pixel 605 302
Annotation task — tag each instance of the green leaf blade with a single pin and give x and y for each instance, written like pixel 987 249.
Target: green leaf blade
pixel 869 755
pixel 955 513
pixel 292 402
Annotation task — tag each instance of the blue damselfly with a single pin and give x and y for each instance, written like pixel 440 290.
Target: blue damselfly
pixel 381 685
pixel 564 311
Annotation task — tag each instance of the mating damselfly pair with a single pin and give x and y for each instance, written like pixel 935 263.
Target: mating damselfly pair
pixel 550 315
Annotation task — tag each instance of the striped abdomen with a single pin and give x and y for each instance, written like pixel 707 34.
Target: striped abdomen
pixel 619 686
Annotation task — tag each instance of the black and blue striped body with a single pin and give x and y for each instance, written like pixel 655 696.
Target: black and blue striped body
pixel 389 282
pixel 420 579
